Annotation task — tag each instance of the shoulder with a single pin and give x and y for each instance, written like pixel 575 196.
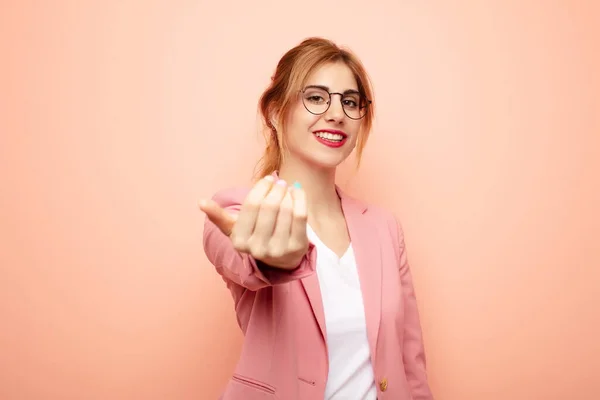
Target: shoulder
pixel 371 210
pixel 389 226
pixel 379 215
pixel 380 212
pixel 389 218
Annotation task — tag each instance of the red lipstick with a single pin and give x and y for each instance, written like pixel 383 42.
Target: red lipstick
pixel 331 137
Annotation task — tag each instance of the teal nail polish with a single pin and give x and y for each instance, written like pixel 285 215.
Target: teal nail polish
pixel 297 185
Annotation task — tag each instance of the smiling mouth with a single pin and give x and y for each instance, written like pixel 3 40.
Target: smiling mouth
pixel 332 137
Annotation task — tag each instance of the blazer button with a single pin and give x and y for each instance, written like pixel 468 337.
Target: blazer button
pixel 383 384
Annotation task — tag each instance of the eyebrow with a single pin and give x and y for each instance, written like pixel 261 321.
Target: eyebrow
pixel 325 88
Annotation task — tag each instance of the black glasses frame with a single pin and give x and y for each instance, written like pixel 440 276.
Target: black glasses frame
pixel 367 101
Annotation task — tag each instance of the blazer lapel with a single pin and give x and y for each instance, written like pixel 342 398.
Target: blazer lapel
pixel 313 292
pixel 367 251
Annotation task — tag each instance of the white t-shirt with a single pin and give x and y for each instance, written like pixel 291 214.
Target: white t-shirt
pixel 350 370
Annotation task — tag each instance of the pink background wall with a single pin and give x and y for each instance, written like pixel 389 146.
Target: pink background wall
pixel 116 116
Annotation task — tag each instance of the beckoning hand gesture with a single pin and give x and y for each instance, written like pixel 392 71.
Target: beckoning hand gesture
pixel 271 225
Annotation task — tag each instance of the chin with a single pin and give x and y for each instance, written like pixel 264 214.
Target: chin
pixel 327 162
pixel 321 157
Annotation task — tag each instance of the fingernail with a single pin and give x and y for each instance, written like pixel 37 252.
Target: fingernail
pixel 281 182
pixel 297 185
pixel 269 178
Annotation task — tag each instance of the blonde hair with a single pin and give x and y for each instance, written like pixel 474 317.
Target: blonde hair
pixel 290 76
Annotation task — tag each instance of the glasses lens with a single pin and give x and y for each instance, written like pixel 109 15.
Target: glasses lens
pixel 316 100
pixel 355 105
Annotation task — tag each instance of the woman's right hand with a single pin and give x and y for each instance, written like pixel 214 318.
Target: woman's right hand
pixel 271 224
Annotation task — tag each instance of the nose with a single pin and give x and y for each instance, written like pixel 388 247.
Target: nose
pixel 335 112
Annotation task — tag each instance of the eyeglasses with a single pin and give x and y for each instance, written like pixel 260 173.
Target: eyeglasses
pixel 317 100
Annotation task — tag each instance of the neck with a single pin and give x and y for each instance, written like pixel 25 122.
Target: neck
pixel 318 183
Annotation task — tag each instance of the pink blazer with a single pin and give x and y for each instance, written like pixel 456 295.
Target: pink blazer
pixel 284 354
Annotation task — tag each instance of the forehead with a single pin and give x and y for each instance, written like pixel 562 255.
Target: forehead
pixel 336 76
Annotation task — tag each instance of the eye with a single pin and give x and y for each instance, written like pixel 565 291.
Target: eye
pixel 349 102
pixel 315 98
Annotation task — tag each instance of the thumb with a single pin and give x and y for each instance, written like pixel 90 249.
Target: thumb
pixel 218 216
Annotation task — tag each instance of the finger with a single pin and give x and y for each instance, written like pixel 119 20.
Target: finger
pixel 218 216
pixel 269 209
pixel 283 226
pixel 300 214
pixel 250 208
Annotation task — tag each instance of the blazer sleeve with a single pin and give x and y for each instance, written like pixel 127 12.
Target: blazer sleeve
pixel 415 363
pixel 240 268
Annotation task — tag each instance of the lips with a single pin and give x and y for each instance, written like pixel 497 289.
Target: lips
pixel 331 137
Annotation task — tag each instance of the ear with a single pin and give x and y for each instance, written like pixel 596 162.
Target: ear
pixel 274 122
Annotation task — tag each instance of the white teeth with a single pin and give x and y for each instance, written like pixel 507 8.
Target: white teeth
pixel 335 137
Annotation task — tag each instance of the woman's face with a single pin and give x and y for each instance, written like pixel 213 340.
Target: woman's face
pixel 318 137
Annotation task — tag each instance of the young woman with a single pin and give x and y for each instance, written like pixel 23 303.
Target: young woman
pixel 321 283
